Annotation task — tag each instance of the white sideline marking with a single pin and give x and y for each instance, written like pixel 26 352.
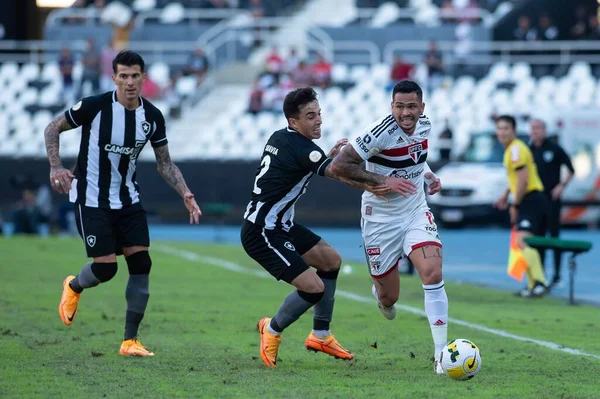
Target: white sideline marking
pixel 234 267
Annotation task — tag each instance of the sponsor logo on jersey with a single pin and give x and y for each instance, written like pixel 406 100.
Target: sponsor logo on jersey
pixel 393 129
pixel 373 251
pixel 403 174
pixel 414 151
pixel 133 152
pixel 146 127
pixel 76 106
pixel 273 150
pixel 91 240
pixel 368 210
pixel 361 145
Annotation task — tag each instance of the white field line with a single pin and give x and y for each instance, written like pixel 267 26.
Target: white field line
pixel 234 267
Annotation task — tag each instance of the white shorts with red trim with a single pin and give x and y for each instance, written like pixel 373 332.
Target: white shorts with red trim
pixel 387 244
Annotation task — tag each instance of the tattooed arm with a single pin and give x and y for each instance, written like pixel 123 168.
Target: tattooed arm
pixel 172 175
pixel 346 167
pixel 60 178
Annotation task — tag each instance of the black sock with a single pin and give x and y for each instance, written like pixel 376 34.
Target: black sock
pixel 132 323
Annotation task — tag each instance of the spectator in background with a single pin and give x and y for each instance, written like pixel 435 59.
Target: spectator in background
pixel 198 65
pixel 255 105
pixel 292 61
pixel 91 70
pixel 400 71
pixel 579 30
pixel 445 144
pixel 546 29
pixel 302 75
pixel 524 31
pixel 33 208
pixel 109 52
pixel 258 12
pixel 321 73
pixel 593 28
pixel 435 66
pixel 274 61
pixel 447 11
pixel 66 63
pixel 150 89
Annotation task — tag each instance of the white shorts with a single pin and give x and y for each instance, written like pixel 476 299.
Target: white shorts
pixel 388 243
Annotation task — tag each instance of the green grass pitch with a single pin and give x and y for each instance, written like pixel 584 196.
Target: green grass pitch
pixel 201 323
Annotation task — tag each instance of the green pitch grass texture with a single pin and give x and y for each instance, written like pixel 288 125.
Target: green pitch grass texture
pixel 201 323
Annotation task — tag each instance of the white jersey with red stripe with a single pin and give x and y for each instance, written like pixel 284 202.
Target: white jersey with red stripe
pixel 389 151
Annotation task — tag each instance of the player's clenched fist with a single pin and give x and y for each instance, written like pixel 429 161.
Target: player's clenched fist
pixel 401 186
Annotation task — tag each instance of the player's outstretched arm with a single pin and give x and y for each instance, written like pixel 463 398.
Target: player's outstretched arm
pixel 172 175
pixel 346 167
pixel 60 177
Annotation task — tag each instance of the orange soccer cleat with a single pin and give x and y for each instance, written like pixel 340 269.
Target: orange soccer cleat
pixel 328 345
pixel 68 303
pixel 133 347
pixel 269 343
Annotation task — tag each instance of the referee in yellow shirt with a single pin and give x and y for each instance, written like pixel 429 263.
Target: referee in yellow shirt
pixel 529 205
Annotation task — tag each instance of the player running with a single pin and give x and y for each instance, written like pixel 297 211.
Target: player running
pixel 401 227
pixel 110 218
pixel 286 249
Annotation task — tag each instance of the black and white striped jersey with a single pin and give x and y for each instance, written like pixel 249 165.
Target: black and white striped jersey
pixel 288 162
pixel 111 139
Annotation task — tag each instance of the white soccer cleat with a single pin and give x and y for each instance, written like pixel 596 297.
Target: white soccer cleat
pixel 437 367
pixel 388 313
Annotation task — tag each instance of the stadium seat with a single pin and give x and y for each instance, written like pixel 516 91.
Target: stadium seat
pixel 339 73
pixel 186 85
pixel 51 72
pixel 159 73
pixel 172 13
pixel 30 72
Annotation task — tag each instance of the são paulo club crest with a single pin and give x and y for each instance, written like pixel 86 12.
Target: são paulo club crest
pixel 414 151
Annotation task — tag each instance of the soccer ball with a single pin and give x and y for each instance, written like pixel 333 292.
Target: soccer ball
pixel 460 359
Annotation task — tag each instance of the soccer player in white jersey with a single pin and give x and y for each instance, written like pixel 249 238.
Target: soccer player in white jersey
pixel 400 226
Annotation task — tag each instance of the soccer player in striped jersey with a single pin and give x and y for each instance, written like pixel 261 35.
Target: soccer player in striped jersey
pixel 115 127
pixel 401 227
pixel 287 249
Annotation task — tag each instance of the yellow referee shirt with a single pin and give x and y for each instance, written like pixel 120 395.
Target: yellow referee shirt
pixel 516 156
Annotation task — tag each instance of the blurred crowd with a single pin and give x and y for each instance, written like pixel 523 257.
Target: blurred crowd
pixel 283 73
pixel 585 27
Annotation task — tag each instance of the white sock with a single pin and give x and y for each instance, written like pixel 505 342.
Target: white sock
pixel 272 331
pixel 322 333
pixel 436 308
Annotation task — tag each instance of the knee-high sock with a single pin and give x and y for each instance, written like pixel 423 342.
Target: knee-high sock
pixel 137 295
pixel 535 272
pixel 92 274
pixel 294 306
pixel 323 310
pixel 436 308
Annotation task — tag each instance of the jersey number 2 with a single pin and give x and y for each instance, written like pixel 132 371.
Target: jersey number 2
pixel 264 165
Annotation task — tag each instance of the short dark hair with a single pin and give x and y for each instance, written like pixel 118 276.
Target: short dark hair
pixel 296 99
pixel 408 86
pixel 128 58
pixel 508 119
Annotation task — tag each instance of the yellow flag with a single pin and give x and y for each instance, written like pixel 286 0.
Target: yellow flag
pixel 516 262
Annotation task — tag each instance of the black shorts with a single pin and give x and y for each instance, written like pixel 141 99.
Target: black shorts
pixel 277 251
pixel 107 231
pixel 532 213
